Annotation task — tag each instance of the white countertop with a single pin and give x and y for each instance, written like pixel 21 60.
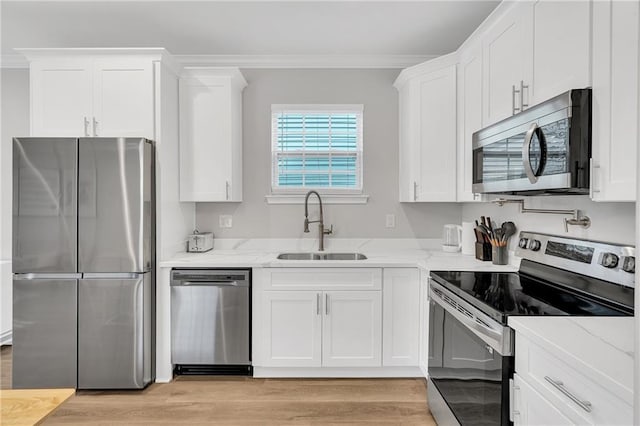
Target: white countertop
pixel 603 345
pixel 425 259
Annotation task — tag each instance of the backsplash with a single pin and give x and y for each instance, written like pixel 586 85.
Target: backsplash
pixel 610 222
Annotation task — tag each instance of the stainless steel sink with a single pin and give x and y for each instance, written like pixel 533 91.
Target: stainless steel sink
pixel 299 256
pixel 343 256
pixel 321 256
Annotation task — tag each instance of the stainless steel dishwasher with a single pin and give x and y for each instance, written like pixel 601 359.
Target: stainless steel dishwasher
pixel 211 321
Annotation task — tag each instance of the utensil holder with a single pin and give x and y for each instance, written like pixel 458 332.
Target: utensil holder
pixel 499 255
pixel 483 251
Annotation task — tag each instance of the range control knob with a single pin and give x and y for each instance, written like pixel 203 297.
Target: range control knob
pixel 523 243
pixel 609 260
pixel 629 264
pixel 534 245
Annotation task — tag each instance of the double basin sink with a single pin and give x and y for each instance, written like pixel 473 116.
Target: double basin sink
pixel 321 256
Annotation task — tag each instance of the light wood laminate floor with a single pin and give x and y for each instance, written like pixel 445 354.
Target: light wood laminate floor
pixel 205 400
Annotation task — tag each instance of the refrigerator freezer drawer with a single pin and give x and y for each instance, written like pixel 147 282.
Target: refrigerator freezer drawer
pixel 44 333
pixel 115 332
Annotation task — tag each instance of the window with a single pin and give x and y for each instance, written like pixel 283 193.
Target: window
pixel 316 147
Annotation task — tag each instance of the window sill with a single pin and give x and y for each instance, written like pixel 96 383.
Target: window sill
pixel 326 199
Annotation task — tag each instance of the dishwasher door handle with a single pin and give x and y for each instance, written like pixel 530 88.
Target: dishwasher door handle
pixel 208 283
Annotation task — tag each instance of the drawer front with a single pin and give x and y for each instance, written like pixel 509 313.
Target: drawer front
pixel 323 279
pixel 574 392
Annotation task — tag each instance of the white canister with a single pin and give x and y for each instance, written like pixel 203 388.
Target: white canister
pixel 468 238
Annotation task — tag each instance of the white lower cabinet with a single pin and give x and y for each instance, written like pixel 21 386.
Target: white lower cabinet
pixel 401 316
pixel 550 389
pixel 304 318
pixel 351 329
pixel 317 328
pixel 529 407
pixel 293 327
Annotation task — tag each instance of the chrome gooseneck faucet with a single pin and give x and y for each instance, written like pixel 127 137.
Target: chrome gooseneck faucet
pixel 320 222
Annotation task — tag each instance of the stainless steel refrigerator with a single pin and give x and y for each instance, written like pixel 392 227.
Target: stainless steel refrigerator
pixel 83 263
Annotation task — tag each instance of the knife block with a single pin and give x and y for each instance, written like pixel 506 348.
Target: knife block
pixel 483 251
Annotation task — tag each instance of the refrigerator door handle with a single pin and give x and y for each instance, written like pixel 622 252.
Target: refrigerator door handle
pixel 112 275
pixel 37 276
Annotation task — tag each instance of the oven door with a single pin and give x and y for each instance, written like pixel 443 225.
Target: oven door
pixel 468 378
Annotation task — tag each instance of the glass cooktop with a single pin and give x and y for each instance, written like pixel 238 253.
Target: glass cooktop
pixel 501 294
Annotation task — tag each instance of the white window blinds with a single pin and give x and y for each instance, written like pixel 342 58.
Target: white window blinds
pixel 316 147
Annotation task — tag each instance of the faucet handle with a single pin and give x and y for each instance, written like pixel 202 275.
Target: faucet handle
pixel 328 231
pixel 306 225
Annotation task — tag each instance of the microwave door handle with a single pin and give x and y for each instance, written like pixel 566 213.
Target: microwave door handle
pixel 526 160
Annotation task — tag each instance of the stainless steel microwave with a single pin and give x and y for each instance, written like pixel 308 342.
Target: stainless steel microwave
pixel 544 149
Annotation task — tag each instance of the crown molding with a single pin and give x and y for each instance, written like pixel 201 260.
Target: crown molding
pixel 246 61
pixel 302 61
pixel 425 67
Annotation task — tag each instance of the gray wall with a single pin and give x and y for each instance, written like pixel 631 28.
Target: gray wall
pixel 254 218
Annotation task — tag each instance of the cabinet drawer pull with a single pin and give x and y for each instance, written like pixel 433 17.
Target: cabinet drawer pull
pixel 585 405
pixel 326 303
pixel 95 127
pixel 317 303
pixel 514 108
pixel 86 126
pixel 226 189
pixel 415 191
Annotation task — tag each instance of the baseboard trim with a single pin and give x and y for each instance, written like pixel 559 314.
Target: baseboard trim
pixel 6 338
pixel 334 372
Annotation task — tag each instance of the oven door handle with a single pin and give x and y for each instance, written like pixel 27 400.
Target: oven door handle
pixel 496 339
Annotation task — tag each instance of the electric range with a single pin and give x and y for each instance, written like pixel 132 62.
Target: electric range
pixel 471 347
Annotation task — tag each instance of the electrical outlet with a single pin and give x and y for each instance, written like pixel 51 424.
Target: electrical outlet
pixel 391 221
pixel 225 221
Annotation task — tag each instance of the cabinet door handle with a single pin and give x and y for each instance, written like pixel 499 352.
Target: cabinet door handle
pixel 415 191
pixel 317 303
pixel 95 127
pixel 592 177
pixel 326 303
pixel 514 108
pixel 585 405
pixel 226 189
pixel 522 87
pixel 86 126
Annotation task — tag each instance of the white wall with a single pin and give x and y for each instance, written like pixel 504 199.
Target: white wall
pixel 610 222
pixel 14 122
pixel 254 218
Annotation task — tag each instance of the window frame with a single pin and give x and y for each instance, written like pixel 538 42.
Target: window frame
pixel 278 109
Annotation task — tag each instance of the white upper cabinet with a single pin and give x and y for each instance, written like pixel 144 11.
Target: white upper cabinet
pixel 61 97
pixel 615 100
pixel 561 48
pixel 469 116
pixel 211 134
pixel 92 93
pixel 533 51
pixel 507 61
pixel 428 131
pixel 123 97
